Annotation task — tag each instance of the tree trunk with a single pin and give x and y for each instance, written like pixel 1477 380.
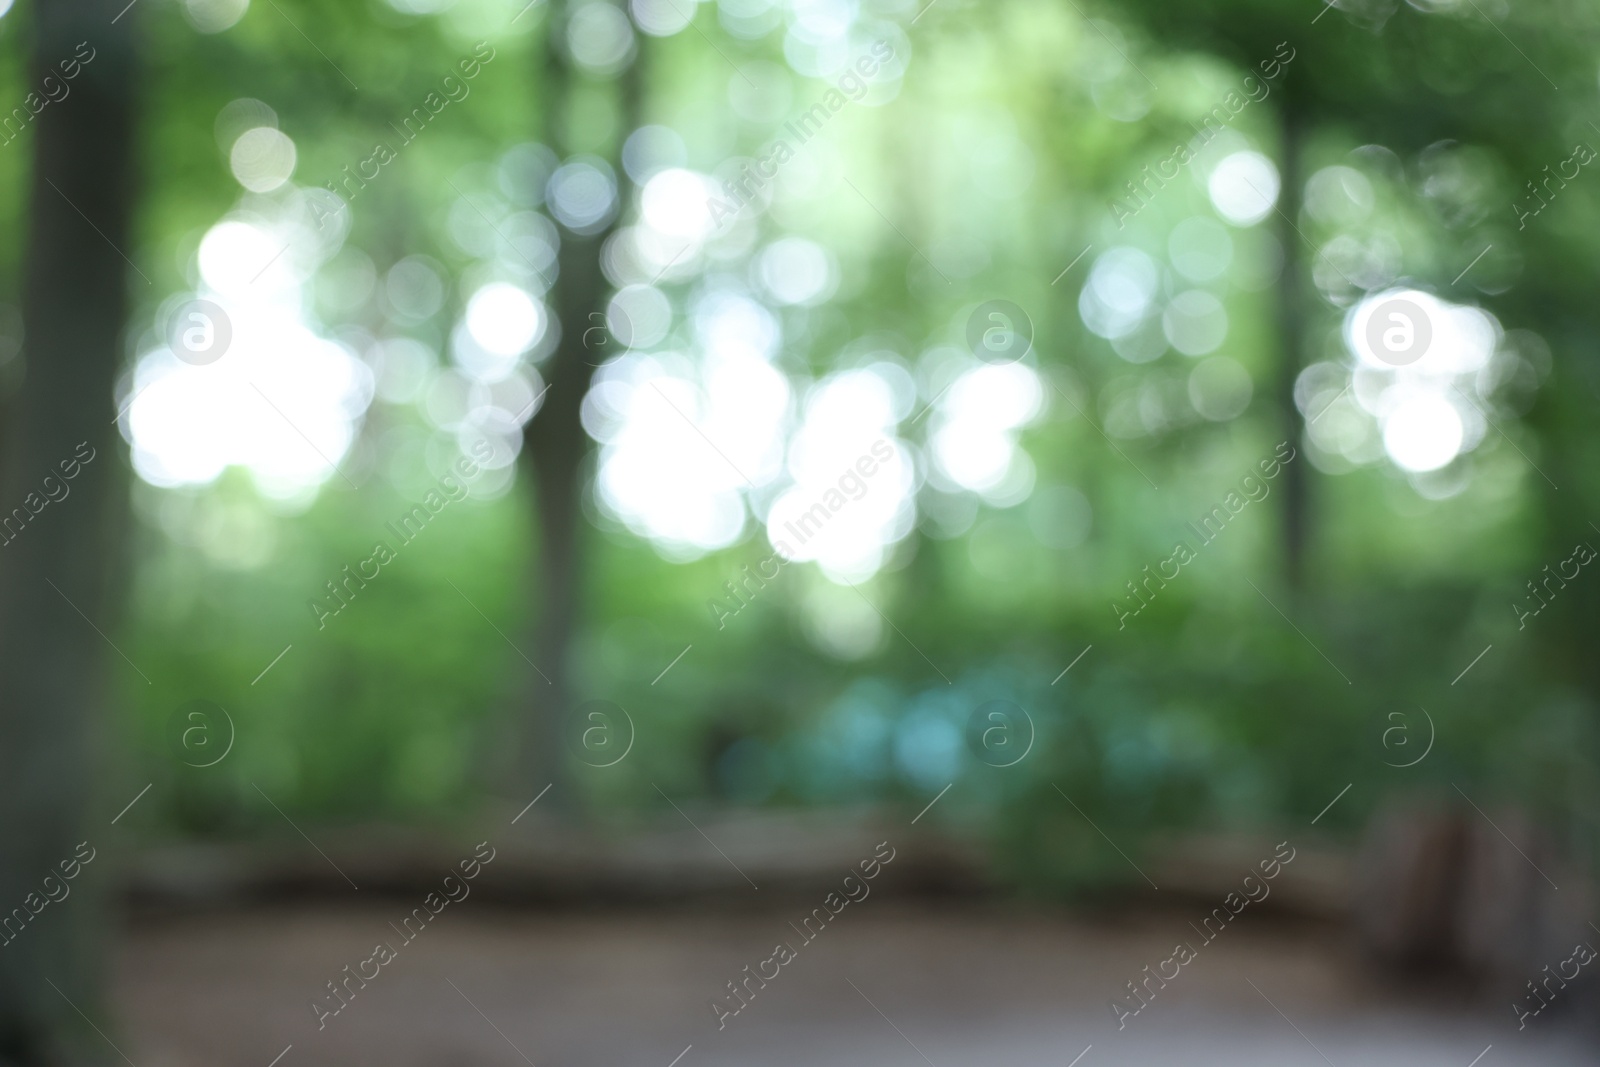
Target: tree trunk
pixel 556 445
pixel 54 565
pixel 1291 341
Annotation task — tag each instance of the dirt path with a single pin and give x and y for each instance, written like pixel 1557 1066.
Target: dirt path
pixel 933 985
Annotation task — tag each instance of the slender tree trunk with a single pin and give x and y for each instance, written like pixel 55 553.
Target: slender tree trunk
pixel 556 446
pixel 1291 341
pixel 74 305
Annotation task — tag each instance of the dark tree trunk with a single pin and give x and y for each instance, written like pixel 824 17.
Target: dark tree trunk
pixel 74 304
pixel 556 446
pixel 1291 341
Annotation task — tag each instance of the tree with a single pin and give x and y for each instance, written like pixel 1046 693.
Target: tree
pixel 556 446
pixel 1388 74
pixel 55 568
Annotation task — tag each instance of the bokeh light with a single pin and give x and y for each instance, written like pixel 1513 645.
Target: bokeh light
pixel 1244 188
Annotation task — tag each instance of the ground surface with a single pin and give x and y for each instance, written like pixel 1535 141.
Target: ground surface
pixel 888 983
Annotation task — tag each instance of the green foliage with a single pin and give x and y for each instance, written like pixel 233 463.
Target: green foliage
pixel 1016 127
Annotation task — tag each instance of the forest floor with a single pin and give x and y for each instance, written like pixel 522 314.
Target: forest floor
pixel 889 982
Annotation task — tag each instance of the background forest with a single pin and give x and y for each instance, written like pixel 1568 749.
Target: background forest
pixel 793 407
